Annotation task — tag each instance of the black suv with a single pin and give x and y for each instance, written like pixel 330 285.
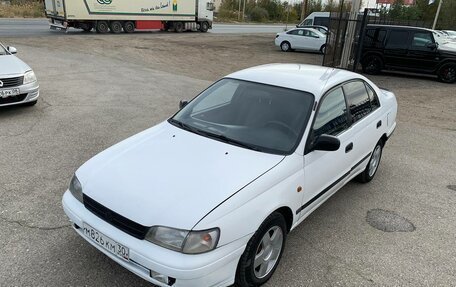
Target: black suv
pixel 409 49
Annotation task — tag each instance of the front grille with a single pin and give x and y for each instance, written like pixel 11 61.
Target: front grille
pixel 126 225
pixel 11 100
pixel 12 82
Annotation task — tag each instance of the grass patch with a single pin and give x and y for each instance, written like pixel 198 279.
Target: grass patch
pixel 22 10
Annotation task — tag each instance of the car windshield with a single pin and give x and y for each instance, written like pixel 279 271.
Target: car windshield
pixel 3 50
pixel 251 115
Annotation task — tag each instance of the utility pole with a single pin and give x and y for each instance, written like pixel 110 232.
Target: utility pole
pixel 437 14
pixel 243 12
pixel 305 3
pixel 350 34
pixel 239 11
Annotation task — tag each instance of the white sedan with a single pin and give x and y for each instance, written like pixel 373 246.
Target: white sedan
pixel 207 197
pixel 307 39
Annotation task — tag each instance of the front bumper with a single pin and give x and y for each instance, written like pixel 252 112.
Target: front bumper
pixel 27 93
pixel 215 268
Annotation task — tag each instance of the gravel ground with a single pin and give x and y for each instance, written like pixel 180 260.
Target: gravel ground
pixel 98 90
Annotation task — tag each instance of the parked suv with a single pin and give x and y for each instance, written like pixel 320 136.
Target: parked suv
pixel 408 49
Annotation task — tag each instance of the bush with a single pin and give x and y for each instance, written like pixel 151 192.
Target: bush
pixel 21 8
pixel 259 14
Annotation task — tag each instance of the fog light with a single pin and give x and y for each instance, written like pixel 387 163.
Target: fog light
pixel 162 278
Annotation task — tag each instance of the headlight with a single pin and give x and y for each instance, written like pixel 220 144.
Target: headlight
pixel 29 77
pixel 76 188
pixel 190 242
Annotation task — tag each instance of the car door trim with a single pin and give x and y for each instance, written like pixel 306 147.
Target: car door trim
pixel 308 203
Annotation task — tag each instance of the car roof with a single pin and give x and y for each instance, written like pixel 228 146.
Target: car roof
pixel 309 78
pixel 399 27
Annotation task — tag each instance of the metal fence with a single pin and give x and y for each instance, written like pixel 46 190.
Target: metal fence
pixel 346 34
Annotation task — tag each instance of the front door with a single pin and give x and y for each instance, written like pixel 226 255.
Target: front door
pixel 326 171
pixel 422 55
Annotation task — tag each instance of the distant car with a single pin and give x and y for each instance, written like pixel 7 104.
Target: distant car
pixel 322 29
pixel 207 197
pixel 18 84
pixel 450 34
pixel 411 49
pixel 307 39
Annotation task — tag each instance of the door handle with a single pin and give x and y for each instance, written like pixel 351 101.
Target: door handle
pixel 379 124
pixel 349 147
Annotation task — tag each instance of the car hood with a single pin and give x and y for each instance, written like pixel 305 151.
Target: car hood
pixel 11 65
pixel 170 177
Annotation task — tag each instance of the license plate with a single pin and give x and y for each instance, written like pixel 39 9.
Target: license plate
pixel 9 93
pixel 106 242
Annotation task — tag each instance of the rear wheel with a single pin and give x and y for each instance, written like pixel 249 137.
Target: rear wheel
pixel 372 167
pixel 102 27
pixel 129 27
pixel 204 27
pixel 372 65
pixel 116 27
pixel 447 73
pixel 285 46
pixel 178 27
pixel 323 49
pixel 263 252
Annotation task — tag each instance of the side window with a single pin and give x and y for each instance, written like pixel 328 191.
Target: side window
pixel 301 32
pixel 358 100
pixel 375 103
pixel 314 35
pixel 307 22
pixel 293 32
pixel 421 40
pixel 332 114
pixel 397 40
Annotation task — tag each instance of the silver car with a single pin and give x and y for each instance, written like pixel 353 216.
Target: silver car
pixel 18 84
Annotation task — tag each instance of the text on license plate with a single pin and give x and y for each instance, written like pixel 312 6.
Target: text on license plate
pixel 9 93
pixel 106 242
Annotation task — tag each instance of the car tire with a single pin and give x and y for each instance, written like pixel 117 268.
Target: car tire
pixel 116 27
pixel 372 65
pixel 372 166
pixel 30 104
pixel 204 27
pixel 178 27
pixel 285 46
pixel 102 27
pixel 447 73
pixel 267 245
pixel 323 49
pixel 129 27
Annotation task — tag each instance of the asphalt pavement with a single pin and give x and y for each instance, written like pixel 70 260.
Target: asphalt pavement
pixel 40 27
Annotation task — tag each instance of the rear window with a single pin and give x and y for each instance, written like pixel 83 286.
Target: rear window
pixel 321 21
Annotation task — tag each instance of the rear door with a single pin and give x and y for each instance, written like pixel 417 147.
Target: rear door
pixel 395 53
pixel 55 8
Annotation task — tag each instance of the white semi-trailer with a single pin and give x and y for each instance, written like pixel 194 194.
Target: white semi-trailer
pixel 129 15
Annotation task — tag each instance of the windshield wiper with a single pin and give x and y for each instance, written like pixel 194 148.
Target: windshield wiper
pixel 214 136
pixel 233 141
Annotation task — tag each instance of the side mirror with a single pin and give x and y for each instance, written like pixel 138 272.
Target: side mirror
pixel 12 50
pixel 182 104
pixel 326 143
pixel 432 46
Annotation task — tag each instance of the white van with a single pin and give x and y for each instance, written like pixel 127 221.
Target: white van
pixel 316 18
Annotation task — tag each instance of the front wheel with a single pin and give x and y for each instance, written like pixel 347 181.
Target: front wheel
pixel 178 27
pixel 447 73
pixel 372 167
pixel 285 46
pixel 263 252
pixel 204 27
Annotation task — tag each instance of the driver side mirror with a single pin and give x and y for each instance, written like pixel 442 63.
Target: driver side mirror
pixel 12 50
pixel 326 143
pixel 432 46
pixel 182 104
